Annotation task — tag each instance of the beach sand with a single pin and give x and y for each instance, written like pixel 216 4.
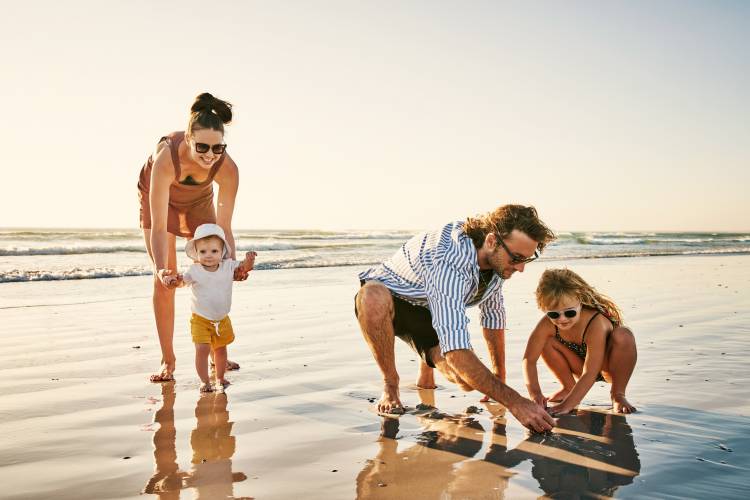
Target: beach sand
pixel 79 420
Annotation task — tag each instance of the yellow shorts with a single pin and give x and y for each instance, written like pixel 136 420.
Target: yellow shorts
pixel 205 331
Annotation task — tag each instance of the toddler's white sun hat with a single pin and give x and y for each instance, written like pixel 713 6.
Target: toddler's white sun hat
pixel 204 231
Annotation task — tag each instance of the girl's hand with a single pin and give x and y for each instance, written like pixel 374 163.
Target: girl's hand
pixel 240 274
pixel 560 409
pixel 539 399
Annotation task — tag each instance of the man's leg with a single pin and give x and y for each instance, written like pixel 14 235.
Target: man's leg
pixel 426 379
pixel 375 315
pixel 442 365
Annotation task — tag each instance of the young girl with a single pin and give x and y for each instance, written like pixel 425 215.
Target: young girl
pixel 581 339
pixel 210 280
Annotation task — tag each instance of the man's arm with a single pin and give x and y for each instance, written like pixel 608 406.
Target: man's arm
pixel 495 339
pixel 466 364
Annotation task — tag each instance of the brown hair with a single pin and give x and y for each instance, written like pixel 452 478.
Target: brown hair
pixel 208 112
pixel 558 283
pixel 504 220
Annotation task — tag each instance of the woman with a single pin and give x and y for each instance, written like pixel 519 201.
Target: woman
pixel 176 194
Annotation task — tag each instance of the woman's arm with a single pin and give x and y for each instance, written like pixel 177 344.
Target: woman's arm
pixel 162 176
pixel 596 346
pixel 228 179
pixel 534 348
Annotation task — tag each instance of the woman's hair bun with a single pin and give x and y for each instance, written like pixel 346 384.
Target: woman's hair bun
pixel 205 103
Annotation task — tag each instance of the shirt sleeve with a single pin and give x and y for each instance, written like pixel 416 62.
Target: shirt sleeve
pixel 188 277
pixel 446 287
pixel 492 311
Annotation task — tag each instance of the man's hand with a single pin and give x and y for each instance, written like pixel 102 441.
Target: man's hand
pixel 531 415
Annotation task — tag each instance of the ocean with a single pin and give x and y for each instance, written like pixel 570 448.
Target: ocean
pixel 73 254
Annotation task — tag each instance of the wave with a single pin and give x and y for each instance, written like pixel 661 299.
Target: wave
pixel 322 261
pixel 258 246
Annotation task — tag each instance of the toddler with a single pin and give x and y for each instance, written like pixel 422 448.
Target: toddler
pixel 210 281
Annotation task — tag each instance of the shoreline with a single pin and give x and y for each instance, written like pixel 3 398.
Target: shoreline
pixel 76 400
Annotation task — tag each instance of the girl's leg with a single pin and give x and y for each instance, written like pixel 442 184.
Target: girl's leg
pixel 619 365
pixel 163 304
pixel 563 363
pixel 220 364
pixel 201 365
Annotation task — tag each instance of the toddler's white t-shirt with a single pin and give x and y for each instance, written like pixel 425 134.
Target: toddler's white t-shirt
pixel 211 290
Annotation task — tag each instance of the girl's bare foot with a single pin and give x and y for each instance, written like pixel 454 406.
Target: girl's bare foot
pixel 559 395
pixel 206 387
pixel 621 405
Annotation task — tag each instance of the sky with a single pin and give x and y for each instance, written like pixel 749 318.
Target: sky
pixel 620 116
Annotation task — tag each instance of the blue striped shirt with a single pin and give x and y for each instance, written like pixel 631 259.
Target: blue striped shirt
pixel 439 270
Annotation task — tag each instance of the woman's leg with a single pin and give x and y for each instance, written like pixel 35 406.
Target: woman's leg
pixel 619 365
pixel 563 363
pixel 163 303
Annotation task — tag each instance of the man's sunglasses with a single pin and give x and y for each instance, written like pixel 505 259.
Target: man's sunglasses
pixel 568 313
pixel 217 149
pixel 516 258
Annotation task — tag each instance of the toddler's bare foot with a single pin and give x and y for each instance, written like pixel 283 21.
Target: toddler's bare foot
pixel 621 405
pixel 559 395
pixel 389 401
pixel 206 387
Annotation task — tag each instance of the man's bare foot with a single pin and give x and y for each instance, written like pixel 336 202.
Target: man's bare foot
pixel 164 374
pixel 426 379
pixel 559 395
pixel 389 402
pixel 621 405
pixel 206 387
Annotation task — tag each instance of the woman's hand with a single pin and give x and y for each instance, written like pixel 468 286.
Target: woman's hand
pixel 247 265
pixel 167 277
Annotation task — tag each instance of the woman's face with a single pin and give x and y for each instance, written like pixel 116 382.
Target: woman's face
pixel 569 305
pixel 204 136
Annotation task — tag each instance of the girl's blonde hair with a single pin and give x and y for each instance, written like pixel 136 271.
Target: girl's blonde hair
pixel 558 283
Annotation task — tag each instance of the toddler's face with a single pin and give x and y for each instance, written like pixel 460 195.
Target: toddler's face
pixel 210 251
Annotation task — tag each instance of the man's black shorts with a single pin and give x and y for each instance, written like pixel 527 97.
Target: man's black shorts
pixel 413 325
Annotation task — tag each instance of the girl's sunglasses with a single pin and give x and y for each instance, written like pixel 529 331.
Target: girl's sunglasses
pixel 217 149
pixel 568 313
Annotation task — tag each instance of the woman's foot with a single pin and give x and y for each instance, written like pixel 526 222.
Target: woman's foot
pixel 621 405
pixel 206 387
pixel 559 396
pixel 164 374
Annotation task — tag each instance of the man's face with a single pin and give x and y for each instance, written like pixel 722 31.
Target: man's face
pixel 518 244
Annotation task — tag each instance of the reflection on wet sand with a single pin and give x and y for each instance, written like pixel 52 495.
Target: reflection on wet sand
pixel 210 474
pixel 588 454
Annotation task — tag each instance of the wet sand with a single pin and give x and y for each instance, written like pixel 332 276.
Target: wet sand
pixel 79 420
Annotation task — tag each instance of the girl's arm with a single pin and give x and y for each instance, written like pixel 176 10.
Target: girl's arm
pixel 596 347
pixel 534 348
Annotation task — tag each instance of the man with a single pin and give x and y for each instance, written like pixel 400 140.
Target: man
pixel 421 293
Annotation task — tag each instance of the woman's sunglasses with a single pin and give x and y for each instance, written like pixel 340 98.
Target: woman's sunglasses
pixel 217 149
pixel 568 313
